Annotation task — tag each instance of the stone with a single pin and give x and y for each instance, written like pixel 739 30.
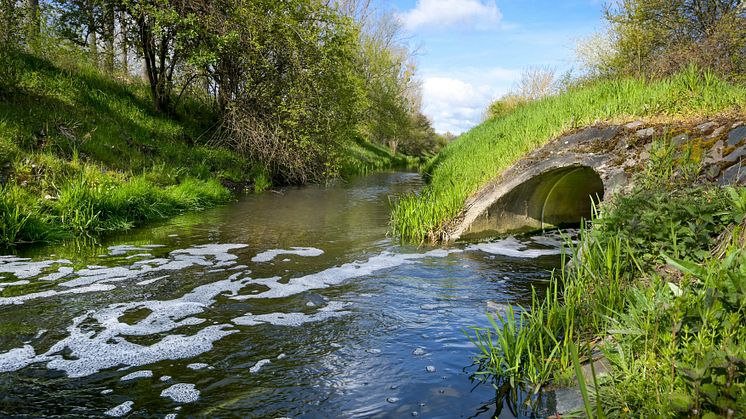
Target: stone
pixel 718 131
pixel 602 367
pixel 633 125
pixel 712 171
pixel 737 136
pixel 392 399
pixel 568 400
pixel 679 139
pixel 716 153
pixel 430 368
pixel 590 134
pixel 736 155
pixel 733 175
pixel 645 133
pixel 706 127
pixel 616 181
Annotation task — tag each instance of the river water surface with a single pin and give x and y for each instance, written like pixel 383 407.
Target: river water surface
pixel 284 304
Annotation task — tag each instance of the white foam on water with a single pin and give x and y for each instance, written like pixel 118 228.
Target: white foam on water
pixel 197 366
pixel 181 393
pixel 62 272
pixel 24 268
pixel 107 391
pixel 165 378
pixel 334 309
pixel 170 416
pixel 339 274
pixel 92 350
pixel 259 364
pixel 548 241
pixel 17 358
pixel 20 299
pixel 120 410
pixel 511 247
pixel 137 374
pixel 97 340
pixel 89 279
pixel 217 251
pixel 123 249
pixel 268 255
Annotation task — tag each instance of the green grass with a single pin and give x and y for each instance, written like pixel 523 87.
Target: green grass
pixel 83 153
pixel 658 283
pixel 482 153
pixel 365 157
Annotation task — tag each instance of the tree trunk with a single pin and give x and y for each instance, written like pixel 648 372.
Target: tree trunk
pixel 92 35
pixel 155 56
pixel 123 42
pixel 109 23
pixel 34 26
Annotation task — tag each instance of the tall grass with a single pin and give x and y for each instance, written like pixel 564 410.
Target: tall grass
pixel 83 153
pixel 482 153
pixel 658 284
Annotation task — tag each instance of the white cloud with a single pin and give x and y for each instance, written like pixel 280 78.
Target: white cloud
pixel 444 13
pixel 457 104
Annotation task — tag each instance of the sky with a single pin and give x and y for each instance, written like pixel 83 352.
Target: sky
pixel 470 52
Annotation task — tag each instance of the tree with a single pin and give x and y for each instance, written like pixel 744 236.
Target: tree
pixel 660 37
pixel 159 24
pixel 34 25
pixel 286 82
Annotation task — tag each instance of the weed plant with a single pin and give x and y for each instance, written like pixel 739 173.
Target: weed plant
pixel 658 284
pixel 482 153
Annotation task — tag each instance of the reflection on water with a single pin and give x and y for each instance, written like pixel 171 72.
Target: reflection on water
pixel 291 303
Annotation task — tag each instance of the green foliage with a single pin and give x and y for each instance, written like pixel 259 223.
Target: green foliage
pixel 82 154
pixel 292 99
pixel 659 38
pixel 663 300
pixel 480 154
pixel 504 106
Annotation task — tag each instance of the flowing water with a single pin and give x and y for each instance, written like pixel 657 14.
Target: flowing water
pixel 284 304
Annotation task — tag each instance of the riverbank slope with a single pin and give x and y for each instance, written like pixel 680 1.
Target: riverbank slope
pixel 83 153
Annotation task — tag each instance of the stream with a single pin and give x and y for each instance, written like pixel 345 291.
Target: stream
pixel 293 303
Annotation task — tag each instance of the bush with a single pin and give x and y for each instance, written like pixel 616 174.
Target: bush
pixel 660 38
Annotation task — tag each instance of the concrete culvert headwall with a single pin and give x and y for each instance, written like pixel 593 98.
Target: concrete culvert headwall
pixel 558 197
pixel 553 185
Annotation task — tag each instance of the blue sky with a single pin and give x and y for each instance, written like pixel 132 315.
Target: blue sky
pixel 470 52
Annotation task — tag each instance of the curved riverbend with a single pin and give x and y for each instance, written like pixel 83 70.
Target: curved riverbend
pixel 282 304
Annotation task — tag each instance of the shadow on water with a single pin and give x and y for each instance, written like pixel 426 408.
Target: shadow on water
pixel 342 322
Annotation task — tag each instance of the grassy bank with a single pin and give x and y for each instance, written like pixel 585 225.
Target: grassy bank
pixel 481 154
pixel 83 153
pixel 657 287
